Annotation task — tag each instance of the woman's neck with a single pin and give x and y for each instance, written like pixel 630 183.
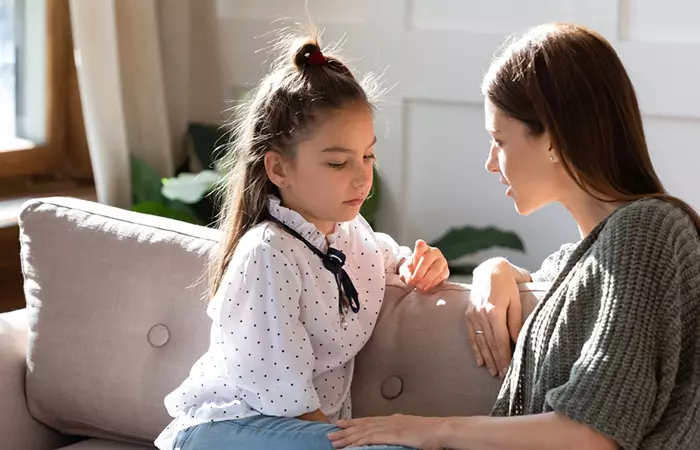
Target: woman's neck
pixel 588 212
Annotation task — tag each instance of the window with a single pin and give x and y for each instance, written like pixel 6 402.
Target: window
pixel 42 134
pixel 22 74
pixel 8 67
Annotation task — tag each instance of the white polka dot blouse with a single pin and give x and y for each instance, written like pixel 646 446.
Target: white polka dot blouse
pixel 278 345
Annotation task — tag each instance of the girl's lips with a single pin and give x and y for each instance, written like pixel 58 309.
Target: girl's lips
pixel 355 202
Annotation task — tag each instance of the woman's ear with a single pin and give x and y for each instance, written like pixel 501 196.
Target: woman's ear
pixel 553 154
pixel 276 168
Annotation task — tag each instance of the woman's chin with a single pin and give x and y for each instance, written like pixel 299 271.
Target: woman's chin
pixel 521 207
pixel 525 208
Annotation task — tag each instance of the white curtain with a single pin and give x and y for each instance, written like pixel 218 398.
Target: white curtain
pixel 136 62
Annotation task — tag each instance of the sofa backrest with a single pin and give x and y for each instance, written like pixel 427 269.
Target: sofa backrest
pixel 117 318
pixel 419 360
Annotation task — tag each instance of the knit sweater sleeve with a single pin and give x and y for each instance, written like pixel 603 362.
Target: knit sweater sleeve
pixel 632 282
pixel 553 264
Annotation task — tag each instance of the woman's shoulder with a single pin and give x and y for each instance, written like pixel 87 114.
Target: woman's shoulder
pixel 649 238
pixel 650 219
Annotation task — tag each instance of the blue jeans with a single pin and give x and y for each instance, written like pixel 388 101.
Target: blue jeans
pixel 263 433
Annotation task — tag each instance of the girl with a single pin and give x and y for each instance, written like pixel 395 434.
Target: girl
pixel 300 279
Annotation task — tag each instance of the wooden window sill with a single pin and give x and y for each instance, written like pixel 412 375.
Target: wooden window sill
pixel 11 207
pixel 15 145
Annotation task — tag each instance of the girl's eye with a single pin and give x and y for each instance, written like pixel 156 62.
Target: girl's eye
pixel 497 143
pixel 370 157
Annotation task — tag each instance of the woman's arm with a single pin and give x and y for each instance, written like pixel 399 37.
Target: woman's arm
pixel 502 267
pixel 495 313
pixel 496 308
pixel 535 432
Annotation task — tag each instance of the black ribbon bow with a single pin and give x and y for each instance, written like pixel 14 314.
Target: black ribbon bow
pixel 333 260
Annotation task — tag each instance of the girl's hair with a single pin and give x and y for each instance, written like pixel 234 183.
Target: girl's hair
pixel 287 105
pixel 568 80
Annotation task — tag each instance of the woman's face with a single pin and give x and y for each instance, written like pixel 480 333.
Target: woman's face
pixel 522 161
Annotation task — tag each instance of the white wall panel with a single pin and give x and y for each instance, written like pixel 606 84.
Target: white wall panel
pixel 434 52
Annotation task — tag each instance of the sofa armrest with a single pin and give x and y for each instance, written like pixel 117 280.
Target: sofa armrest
pixel 17 427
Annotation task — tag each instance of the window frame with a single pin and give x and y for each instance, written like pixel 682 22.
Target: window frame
pixel 64 147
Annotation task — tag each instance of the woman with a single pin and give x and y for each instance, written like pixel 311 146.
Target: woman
pixel 610 358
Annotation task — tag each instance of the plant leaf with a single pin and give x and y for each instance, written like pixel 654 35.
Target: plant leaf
pixel 145 182
pixel 188 187
pixel 466 240
pixel 462 269
pixel 158 209
pixel 206 140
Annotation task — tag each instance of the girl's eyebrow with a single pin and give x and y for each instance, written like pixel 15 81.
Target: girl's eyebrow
pixel 346 150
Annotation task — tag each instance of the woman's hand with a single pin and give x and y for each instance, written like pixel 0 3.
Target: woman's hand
pixel 426 268
pixel 494 317
pixel 411 431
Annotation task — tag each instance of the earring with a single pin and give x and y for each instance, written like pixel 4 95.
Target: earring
pixel 551 157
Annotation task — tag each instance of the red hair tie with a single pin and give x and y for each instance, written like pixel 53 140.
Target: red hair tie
pixel 316 58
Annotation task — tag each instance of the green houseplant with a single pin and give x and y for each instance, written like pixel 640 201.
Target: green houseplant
pixel 187 197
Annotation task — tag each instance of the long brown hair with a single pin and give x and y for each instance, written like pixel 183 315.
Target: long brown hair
pixel 568 80
pixel 285 107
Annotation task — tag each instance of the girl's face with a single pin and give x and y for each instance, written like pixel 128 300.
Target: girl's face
pixel 331 174
pixel 526 164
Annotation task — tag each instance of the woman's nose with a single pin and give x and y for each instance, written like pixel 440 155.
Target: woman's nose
pixel 492 161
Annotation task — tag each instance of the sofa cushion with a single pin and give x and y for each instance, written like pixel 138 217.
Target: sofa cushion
pixel 419 360
pixel 116 316
pixel 116 320
pixel 101 444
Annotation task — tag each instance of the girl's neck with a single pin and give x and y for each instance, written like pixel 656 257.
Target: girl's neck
pixel 323 226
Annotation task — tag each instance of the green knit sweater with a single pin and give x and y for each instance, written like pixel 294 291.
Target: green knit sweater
pixel 615 344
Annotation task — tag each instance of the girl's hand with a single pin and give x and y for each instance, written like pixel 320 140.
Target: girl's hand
pixel 426 268
pixel 411 431
pixel 315 416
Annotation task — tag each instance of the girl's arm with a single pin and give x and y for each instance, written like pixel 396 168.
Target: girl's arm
pixel 316 416
pixel 394 254
pixel 424 268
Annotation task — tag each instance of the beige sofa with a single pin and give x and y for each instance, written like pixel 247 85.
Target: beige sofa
pixel 115 318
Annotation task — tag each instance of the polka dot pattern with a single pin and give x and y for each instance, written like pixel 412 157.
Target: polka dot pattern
pixel 277 343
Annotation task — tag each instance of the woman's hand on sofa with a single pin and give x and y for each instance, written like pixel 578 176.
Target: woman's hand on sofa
pixel 494 316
